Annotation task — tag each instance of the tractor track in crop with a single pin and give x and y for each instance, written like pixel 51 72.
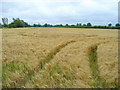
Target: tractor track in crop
pixel 48 58
pixel 51 55
pixel 94 67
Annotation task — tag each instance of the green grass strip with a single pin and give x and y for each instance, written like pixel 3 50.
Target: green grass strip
pixel 97 83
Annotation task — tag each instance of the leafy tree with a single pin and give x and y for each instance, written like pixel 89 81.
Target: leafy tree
pixel 73 25
pixel 39 25
pixel 61 25
pixel 45 25
pixel 84 25
pixel 48 25
pixel 35 25
pixel 117 25
pixel 18 23
pixel 89 24
pixel 109 25
pixel 5 21
pixel 66 25
pixel 79 24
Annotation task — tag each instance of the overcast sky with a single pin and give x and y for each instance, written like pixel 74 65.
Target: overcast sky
pixel 98 12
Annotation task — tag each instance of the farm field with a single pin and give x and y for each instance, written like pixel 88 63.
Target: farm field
pixel 59 58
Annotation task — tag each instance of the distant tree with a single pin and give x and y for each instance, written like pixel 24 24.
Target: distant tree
pixel 73 25
pixel 14 19
pixel 48 25
pixel 80 24
pixel 39 25
pixel 117 25
pixel 45 25
pixel 66 25
pixel 18 23
pixel 34 25
pixel 89 24
pixel 84 25
pixel 5 21
pixel 109 25
pixel 77 24
pixel 61 25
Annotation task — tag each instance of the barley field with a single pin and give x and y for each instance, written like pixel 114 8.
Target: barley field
pixel 59 58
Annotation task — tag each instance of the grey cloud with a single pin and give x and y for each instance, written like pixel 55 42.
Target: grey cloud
pixel 97 12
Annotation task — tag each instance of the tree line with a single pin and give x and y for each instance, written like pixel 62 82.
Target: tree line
pixel 16 23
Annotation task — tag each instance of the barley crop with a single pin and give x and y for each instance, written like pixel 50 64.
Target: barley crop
pixel 59 58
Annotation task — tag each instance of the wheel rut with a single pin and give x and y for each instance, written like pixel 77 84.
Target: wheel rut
pixel 51 54
pixel 92 60
pixel 94 67
pixel 48 58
